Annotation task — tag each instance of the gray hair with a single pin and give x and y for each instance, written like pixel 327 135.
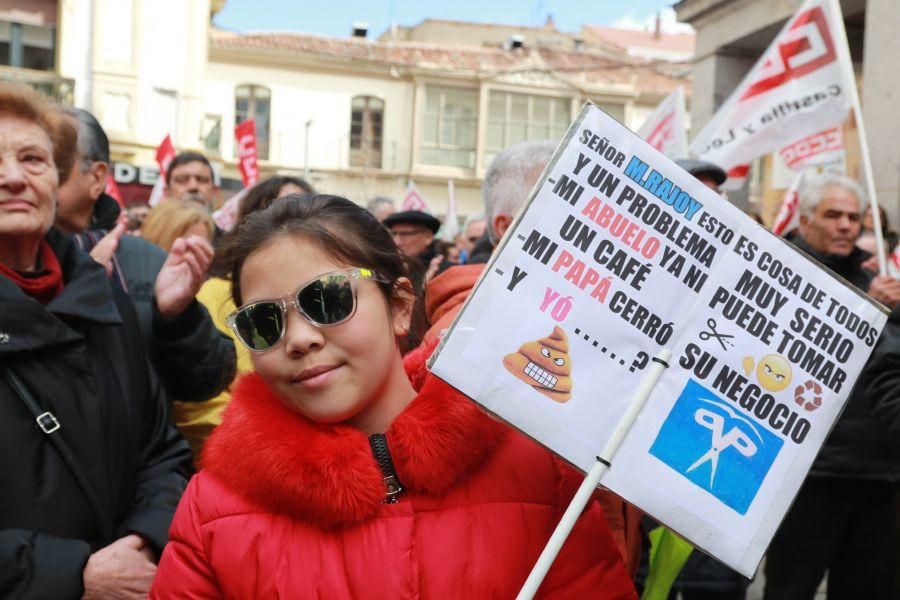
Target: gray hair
pixel 814 188
pixel 512 174
pixel 93 145
pixel 473 219
pixel 377 202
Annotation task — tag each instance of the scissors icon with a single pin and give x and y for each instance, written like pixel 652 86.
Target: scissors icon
pixel 721 441
pixel 722 338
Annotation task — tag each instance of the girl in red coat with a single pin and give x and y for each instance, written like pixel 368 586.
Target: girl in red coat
pixel 339 472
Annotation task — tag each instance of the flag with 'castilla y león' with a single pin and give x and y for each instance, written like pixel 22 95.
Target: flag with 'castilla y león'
pixel 802 84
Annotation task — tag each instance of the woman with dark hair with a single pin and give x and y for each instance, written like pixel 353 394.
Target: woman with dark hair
pixel 342 470
pixel 196 420
pixel 92 471
pixel 264 193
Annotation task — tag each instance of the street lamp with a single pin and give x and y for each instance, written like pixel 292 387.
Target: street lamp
pixel 306 149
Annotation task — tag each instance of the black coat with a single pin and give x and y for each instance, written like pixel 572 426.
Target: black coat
pixel 82 358
pixel 193 358
pixel 862 445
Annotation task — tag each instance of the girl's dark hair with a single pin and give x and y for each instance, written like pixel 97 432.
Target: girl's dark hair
pixel 348 233
pixel 264 193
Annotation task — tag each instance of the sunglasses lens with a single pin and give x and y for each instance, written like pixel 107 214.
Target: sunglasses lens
pixel 328 300
pixel 259 325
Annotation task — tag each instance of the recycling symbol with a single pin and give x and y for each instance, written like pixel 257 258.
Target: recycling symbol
pixel 808 395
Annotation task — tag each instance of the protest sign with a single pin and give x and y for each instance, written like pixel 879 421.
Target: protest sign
pixel 618 254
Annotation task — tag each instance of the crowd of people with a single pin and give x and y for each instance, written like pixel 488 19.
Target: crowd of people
pixel 192 413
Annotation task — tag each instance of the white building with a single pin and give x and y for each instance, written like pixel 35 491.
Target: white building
pixel 360 116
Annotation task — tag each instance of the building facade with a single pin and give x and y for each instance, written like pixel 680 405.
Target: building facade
pixel 357 116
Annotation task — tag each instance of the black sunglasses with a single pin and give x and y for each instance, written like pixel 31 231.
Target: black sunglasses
pixel 329 299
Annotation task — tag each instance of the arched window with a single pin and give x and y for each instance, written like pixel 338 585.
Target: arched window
pixel 366 120
pixel 254 102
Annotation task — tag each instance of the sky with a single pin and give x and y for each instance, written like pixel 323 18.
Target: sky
pixel 335 18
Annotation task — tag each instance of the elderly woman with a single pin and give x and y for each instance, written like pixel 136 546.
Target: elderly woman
pixel 92 470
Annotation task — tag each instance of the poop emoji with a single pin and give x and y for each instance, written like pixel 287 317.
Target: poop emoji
pixel 544 365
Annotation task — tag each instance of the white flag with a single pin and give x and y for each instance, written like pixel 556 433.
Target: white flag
pixel 450 229
pixel 413 199
pixel 802 84
pixel 824 149
pixel 227 217
pixel 821 149
pixel 665 129
pixel 788 217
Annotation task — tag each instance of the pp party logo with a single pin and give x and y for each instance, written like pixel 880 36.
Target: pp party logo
pixel 715 447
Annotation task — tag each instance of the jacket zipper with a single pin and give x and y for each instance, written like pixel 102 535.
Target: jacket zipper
pixel 379 445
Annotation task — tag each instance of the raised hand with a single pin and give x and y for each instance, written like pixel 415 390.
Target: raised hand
pixel 182 274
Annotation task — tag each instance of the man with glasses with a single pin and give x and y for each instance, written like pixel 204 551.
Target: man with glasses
pixel 413 232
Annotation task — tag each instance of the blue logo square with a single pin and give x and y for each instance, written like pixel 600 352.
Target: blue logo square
pixel 712 444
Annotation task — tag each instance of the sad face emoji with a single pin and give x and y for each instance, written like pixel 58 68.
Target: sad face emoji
pixel 545 365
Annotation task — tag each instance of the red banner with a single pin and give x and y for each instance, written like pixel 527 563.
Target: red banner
pixel 112 188
pixel 165 152
pixel 247 154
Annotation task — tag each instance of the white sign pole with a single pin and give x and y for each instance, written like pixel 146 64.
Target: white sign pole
pixel 863 145
pixel 592 480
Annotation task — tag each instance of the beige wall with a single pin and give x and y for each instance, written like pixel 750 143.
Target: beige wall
pixel 324 98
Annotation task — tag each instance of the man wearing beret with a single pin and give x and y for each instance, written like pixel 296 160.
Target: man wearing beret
pixel 413 232
pixel 707 173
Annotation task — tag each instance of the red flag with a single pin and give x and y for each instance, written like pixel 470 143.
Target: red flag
pixel 247 155
pixel 737 176
pixel 165 152
pixel 112 188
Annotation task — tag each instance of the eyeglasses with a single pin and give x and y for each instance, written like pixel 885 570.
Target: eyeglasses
pixel 404 233
pixel 329 299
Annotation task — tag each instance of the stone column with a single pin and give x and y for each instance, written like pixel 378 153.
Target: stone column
pixel 716 76
pixel 880 97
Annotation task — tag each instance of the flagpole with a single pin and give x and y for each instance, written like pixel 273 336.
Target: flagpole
pixel 863 144
pixel 592 480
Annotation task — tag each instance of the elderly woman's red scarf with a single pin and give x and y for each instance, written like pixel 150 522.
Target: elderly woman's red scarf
pixel 44 284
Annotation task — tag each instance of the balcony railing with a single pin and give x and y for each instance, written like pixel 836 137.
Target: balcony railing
pixel 56 87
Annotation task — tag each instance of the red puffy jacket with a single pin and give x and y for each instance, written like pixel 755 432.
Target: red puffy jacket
pixel 293 509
